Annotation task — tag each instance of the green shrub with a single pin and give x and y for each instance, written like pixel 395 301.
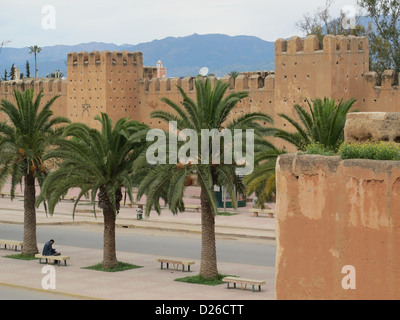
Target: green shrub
pixel 319 148
pixel 370 150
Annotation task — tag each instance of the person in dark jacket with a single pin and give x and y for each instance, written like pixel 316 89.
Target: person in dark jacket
pixel 48 249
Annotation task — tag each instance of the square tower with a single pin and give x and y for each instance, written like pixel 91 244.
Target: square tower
pixel 103 82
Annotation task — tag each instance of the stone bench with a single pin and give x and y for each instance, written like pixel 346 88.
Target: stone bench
pixel 11 243
pixel 243 282
pixel 256 212
pixel 195 207
pixel 55 258
pixel 3 194
pixel 175 263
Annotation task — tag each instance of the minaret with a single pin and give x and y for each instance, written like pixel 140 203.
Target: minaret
pixel 161 71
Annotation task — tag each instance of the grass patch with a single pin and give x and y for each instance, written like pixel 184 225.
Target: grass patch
pixel 227 214
pixel 20 256
pixel 122 266
pixel 200 280
pixel 319 149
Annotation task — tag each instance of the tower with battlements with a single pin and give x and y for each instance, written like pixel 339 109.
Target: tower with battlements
pixel 103 82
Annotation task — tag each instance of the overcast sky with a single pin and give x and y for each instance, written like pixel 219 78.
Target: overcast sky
pixel 32 22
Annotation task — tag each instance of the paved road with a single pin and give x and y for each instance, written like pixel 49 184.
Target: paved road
pixel 252 252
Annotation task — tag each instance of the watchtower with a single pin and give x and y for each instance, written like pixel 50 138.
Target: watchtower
pixel 103 82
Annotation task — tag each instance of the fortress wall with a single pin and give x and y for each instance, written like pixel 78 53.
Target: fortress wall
pixel 332 213
pixel 50 87
pixel 384 97
pixel 122 84
pixel 86 90
pixel 260 89
pixel 155 89
pixel 119 84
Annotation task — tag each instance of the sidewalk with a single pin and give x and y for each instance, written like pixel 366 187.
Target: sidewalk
pixel 148 282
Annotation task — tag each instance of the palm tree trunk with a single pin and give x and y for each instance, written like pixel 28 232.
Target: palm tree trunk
pixel 109 251
pixel 30 241
pixel 208 264
pixel 36 70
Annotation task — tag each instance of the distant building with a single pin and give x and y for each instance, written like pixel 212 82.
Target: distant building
pixel 161 71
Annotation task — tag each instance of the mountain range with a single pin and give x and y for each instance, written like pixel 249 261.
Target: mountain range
pixel 182 56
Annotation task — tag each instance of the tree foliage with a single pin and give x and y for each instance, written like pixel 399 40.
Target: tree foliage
pixel 382 29
pixel 212 109
pixel 324 123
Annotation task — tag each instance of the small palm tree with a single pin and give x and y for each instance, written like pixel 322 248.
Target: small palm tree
pixel 211 110
pixel 35 50
pixel 99 163
pixel 324 124
pixel 24 140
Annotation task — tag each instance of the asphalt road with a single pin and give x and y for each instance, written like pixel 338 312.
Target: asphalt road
pixel 185 245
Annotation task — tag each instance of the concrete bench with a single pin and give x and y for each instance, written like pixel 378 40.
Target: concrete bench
pixel 256 212
pixel 12 244
pixel 243 282
pixel 55 258
pixel 175 263
pixel 195 207
pixel 3 194
pixel 68 198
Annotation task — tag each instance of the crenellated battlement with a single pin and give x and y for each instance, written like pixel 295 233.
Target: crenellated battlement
pixel 247 81
pixel 96 58
pixel 386 82
pixel 331 44
pixel 48 85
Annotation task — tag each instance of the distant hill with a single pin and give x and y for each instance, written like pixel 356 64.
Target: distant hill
pixel 183 56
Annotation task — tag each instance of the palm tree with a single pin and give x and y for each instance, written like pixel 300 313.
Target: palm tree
pixel 323 124
pixel 211 110
pixel 99 163
pixel 24 140
pixel 262 181
pixel 35 50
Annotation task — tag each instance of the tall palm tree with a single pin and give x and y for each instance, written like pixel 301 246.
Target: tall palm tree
pixel 324 123
pixel 211 110
pixel 99 163
pixel 35 50
pixel 25 138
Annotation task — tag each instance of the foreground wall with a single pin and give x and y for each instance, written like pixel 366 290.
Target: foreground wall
pixel 333 213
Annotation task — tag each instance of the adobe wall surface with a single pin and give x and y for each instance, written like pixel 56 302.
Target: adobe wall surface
pixel 362 127
pixel 50 87
pixel 260 87
pixel 332 213
pixel 103 82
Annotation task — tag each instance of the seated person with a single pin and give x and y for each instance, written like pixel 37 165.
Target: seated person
pixel 48 249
